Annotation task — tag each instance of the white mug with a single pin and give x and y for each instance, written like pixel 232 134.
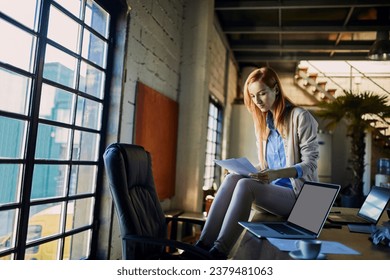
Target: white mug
pixel 310 249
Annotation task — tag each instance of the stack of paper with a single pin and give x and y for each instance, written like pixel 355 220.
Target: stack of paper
pixel 240 166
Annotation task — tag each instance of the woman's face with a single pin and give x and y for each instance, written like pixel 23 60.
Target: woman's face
pixel 262 96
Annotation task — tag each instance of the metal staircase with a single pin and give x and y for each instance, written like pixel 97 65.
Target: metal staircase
pixel 317 84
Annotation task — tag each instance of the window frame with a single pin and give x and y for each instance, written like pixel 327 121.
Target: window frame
pixel 217 152
pixel 118 10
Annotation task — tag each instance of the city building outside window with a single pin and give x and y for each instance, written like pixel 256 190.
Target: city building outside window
pixel 54 76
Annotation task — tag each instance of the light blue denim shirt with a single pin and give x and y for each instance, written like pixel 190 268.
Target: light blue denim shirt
pixel 275 154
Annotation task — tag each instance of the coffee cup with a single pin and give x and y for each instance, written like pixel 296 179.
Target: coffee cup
pixel 310 249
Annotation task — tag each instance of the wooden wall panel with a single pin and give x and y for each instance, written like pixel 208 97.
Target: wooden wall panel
pixel 156 124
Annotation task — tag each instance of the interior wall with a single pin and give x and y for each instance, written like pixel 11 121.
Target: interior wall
pixel 232 92
pixel 207 69
pixel 242 136
pixel 218 66
pixel 193 103
pixel 223 82
pixel 169 46
pixel 153 56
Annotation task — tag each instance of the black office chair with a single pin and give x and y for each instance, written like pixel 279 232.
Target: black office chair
pixel 143 225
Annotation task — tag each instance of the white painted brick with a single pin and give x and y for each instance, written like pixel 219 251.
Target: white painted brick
pixel 166 4
pixel 217 69
pixel 137 52
pixel 154 47
pixel 158 13
pixel 146 5
pixel 135 29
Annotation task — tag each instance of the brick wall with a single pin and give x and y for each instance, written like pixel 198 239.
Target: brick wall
pixel 153 53
pixel 217 66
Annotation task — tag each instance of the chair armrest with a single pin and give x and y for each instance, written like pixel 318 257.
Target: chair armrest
pixel 196 221
pixel 185 217
pixel 173 213
pixel 198 252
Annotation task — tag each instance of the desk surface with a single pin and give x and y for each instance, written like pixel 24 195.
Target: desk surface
pixel 251 247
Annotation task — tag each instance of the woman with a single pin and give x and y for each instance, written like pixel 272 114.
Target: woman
pixel 287 150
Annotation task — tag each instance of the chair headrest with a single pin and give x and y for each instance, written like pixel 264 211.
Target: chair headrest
pixel 132 160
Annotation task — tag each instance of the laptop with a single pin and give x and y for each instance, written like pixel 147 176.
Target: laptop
pixel 370 212
pixel 306 218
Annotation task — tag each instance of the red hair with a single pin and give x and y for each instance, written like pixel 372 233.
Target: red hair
pixel 268 77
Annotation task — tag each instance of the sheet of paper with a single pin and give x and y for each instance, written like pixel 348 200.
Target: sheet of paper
pixel 327 247
pixel 240 166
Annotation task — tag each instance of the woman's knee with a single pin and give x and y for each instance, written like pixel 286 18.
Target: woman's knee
pixel 246 183
pixel 230 180
pixel 244 187
pixel 232 176
pixel 229 184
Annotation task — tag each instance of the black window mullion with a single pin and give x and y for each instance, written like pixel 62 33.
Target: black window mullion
pixel 117 14
pixel 31 117
pixel 21 236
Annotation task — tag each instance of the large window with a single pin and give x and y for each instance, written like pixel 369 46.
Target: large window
pixel 213 148
pixel 53 86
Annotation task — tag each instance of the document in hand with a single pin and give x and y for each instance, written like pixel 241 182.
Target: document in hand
pixel 240 166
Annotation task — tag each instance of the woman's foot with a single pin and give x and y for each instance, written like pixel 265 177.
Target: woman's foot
pixel 189 256
pixel 217 255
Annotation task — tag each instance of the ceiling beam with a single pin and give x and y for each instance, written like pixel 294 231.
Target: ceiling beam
pixel 297 57
pixel 307 4
pixel 307 46
pixel 303 29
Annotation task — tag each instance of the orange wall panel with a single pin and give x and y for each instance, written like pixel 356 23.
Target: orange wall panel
pixel 156 124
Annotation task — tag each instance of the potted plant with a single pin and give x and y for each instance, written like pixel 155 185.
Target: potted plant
pixel 361 111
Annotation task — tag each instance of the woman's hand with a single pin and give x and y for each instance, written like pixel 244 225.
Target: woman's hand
pixel 265 176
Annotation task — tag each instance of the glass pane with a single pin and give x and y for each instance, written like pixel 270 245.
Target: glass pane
pixel 88 113
pixel 15 86
pixel 91 80
pixel 44 220
pixel 17 47
pixel 78 246
pixel 72 6
pixel 63 30
pixel 79 213
pixel 7 257
pixel 49 180
pixel 12 134
pixel 83 179
pixel 52 142
pixel 10 183
pixel 85 146
pixel 94 49
pixel 8 220
pixel 97 18
pixel 45 251
pixel 59 67
pixel 25 15
pixel 56 104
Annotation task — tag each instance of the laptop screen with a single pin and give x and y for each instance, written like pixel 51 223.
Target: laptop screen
pixel 374 204
pixel 313 205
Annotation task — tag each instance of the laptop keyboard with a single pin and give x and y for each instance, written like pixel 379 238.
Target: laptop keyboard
pixel 283 229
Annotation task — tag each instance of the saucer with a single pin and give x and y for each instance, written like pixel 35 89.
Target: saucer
pixel 298 255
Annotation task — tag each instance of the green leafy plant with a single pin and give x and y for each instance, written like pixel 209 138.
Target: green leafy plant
pixel 361 112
